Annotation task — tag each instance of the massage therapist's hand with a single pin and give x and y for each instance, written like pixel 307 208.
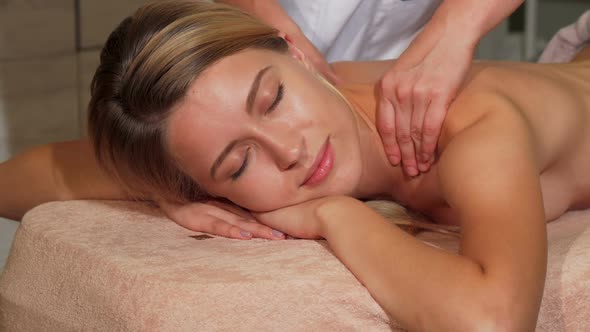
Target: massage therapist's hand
pixel 219 219
pixel 414 97
pixel 418 89
pixel 302 220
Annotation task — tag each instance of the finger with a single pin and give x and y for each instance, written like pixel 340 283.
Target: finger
pixel 417 123
pixel 236 216
pixel 230 208
pixel 386 126
pixel 259 230
pixel 433 121
pixel 403 120
pixel 215 226
pixel 221 227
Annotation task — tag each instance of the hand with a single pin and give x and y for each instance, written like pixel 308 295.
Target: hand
pixel 314 56
pixel 221 219
pixel 414 97
pixel 302 220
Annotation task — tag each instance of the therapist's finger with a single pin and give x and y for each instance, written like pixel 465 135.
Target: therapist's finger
pixel 403 119
pixel 385 119
pixel 433 121
pixel 420 104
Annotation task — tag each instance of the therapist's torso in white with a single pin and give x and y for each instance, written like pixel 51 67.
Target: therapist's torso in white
pixel 360 29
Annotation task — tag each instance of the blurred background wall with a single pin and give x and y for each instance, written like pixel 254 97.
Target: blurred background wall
pixel 523 36
pixel 48 53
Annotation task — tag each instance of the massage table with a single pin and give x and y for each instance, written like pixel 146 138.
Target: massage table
pixel 123 266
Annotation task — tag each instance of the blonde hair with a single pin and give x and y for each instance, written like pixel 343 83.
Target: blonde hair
pixel 146 66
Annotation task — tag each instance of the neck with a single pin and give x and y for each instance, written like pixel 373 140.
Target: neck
pixel 379 178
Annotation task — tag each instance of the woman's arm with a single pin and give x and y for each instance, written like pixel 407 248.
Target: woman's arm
pixel 59 171
pixel 489 175
pixel 69 170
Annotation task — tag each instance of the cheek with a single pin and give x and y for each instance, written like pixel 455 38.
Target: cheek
pixel 260 195
pixel 262 187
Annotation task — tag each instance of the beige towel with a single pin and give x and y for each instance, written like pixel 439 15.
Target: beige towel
pixel 121 266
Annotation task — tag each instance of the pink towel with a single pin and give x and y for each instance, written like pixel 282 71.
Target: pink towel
pixel 568 41
pixel 122 266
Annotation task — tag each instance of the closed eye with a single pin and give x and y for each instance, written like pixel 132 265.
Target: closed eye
pixel 239 172
pixel 272 107
pixel 278 98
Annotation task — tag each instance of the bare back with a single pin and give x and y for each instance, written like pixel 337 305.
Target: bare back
pixel 554 99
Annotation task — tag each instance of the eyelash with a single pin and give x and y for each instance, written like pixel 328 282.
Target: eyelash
pixel 239 172
pixel 280 94
pixel 273 106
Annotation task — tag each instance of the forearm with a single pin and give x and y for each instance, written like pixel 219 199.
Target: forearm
pixel 422 287
pixel 268 11
pixel 59 171
pixel 470 20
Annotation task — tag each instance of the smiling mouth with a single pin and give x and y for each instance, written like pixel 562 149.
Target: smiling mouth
pixel 321 167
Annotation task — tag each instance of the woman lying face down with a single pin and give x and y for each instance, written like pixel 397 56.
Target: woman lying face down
pixel 195 100
pixel 255 126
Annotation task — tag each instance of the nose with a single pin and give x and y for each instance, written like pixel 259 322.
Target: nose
pixel 286 147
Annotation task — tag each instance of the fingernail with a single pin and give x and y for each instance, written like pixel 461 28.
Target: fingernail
pixel 412 171
pixel 423 167
pixel 394 160
pixel 276 233
pixel 425 157
pixel 245 234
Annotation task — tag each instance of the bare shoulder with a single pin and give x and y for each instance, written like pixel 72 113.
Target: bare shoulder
pixel 361 72
pixel 471 107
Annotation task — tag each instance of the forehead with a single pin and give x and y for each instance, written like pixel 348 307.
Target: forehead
pixel 225 85
pixel 227 82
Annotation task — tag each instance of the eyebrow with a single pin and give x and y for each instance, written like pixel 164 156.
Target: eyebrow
pixel 249 105
pixel 254 89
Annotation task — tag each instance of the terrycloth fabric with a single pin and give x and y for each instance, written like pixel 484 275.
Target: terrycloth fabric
pixel 568 41
pixel 121 266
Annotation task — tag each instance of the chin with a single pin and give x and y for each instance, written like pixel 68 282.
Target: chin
pixel 344 182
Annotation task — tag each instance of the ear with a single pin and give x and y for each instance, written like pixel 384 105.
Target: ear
pixel 294 51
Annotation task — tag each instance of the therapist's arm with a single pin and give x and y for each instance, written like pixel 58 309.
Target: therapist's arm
pixel 272 13
pixel 53 172
pixel 418 89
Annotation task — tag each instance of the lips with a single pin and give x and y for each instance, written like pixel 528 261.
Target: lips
pixel 322 165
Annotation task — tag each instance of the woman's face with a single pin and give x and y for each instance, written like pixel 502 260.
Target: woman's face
pixel 260 129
